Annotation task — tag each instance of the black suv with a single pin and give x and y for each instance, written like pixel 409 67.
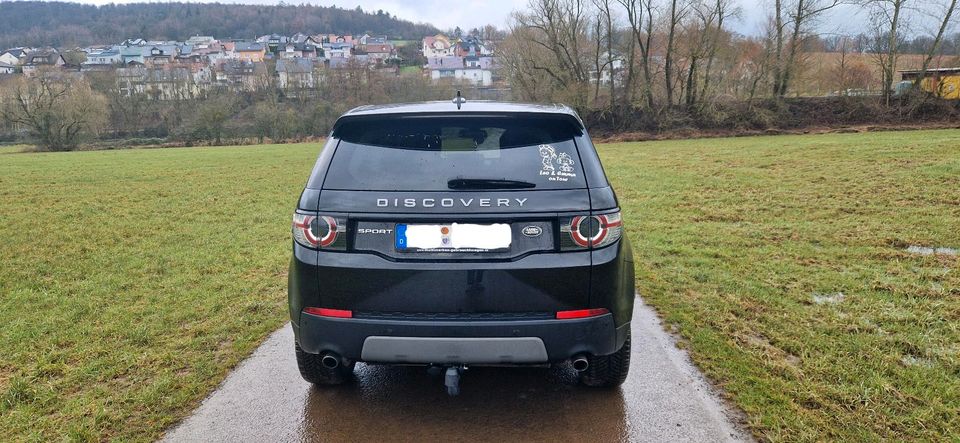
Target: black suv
pixel 440 235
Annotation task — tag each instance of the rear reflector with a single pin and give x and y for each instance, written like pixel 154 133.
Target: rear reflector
pixel 324 312
pixel 581 313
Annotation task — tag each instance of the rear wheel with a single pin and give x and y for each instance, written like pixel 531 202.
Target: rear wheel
pixel 608 370
pixel 313 371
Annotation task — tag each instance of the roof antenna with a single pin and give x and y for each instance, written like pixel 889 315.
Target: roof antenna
pixel 459 100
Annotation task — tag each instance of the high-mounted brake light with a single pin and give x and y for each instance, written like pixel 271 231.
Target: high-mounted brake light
pixel 319 231
pixel 585 231
pixel 326 312
pixel 581 313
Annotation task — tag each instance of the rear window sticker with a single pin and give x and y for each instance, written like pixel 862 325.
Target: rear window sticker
pixel 547 153
pixel 551 162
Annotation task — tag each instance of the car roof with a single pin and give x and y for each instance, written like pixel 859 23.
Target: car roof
pixel 467 107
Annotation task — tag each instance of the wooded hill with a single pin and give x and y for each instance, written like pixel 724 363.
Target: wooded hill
pixel 34 23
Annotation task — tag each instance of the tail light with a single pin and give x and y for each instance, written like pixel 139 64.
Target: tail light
pixel 327 312
pixel 320 231
pixel 590 231
pixel 581 313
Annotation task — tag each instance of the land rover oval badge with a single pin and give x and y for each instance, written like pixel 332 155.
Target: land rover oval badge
pixel 532 231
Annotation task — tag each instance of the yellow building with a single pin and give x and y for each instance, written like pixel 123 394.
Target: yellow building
pixel 942 82
pixel 250 52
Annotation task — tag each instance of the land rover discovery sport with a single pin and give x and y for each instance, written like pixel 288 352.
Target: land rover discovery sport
pixel 445 235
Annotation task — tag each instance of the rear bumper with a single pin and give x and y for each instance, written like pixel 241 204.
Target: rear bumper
pixel 469 342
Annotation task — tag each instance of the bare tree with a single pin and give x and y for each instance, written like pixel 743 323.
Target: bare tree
pixel 888 17
pixel 212 117
pixel 678 10
pixel 606 16
pixel 842 68
pixel 559 28
pixel 801 17
pixel 705 34
pixel 722 10
pixel 640 18
pixel 58 112
pixel 598 64
pixel 604 59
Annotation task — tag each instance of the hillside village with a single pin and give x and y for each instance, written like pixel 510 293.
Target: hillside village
pixel 296 63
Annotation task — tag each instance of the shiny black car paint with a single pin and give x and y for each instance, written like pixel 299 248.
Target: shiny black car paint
pixel 494 294
pixel 563 338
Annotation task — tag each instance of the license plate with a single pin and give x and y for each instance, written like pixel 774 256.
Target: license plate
pixel 453 237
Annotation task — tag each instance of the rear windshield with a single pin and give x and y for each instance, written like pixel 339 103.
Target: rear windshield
pixel 438 154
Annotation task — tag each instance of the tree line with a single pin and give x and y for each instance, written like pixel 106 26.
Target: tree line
pixel 625 65
pixel 60 24
pixel 60 111
pixel 617 57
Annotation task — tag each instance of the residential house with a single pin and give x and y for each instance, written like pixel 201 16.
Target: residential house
pixel 337 50
pixel 476 70
pixel 249 52
pixel 297 73
pixel 367 39
pixel 187 55
pixel 7 68
pixel 306 39
pixel 437 46
pixel 342 63
pixel 134 42
pixel 336 38
pixel 133 55
pixel 242 74
pixel 40 59
pixel 377 52
pixel 209 54
pixel 161 54
pixel 472 61
pixel 298 50
pixel 472 46
pixel 482 77
pixel 612 69
pixel 361 58
pixel 273 43
pixel 101 58
pixel 229 50
pixel 13 56
pixel 163 82
pixel 203 76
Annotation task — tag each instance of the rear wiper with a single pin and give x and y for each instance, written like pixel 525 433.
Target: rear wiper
pixel 488 183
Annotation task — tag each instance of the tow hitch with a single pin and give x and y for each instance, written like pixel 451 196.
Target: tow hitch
pixel 451 377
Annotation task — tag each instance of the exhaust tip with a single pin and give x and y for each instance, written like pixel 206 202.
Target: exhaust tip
pixel 580 363
pixel 330 360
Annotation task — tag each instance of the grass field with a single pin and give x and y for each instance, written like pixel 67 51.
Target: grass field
pixel 13 149
pixel 131 281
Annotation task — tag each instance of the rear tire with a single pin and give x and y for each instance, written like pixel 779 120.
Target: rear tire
pixel 313 371
pixel 607 371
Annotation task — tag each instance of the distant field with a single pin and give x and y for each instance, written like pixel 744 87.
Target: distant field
pixel 131 281
pixel 399 43
pixel 821 71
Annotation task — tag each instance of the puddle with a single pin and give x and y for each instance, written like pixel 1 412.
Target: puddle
pixel 912 360
pixel 832 299
pixel 926 250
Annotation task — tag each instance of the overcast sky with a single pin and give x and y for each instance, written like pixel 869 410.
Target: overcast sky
pixel 475 13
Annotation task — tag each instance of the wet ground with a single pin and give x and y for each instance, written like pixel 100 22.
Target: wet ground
pixel 665 399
